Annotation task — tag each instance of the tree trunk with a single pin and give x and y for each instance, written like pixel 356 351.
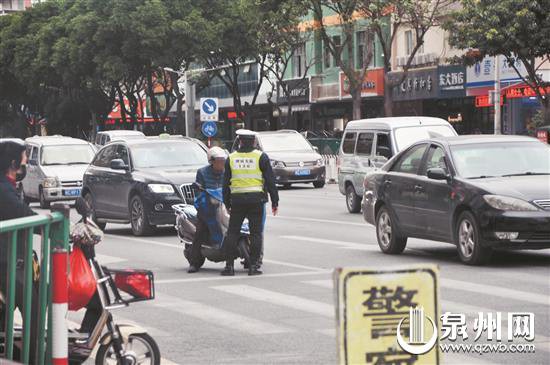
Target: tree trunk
pixel 151 94
pixel 356 97
pixel 388 97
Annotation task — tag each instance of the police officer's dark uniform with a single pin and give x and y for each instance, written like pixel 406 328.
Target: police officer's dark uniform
pixel 248 175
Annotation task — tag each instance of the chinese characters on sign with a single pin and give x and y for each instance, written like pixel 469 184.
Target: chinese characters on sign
pixel 245 163
pixel 377 310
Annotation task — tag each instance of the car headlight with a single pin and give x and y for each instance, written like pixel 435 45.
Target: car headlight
pixel 161 188
pixel 509 204
pixel 320 163
pixel 50 182
pixel 277 164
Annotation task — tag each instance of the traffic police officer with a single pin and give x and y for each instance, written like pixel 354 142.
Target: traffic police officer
pixel 248 178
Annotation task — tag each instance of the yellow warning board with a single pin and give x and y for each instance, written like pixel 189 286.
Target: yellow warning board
pixel 388 316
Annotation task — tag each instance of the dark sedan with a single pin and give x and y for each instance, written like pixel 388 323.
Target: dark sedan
pixel 138 181
pixel 479 192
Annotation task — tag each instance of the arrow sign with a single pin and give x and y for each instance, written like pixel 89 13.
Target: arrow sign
pixel 209 109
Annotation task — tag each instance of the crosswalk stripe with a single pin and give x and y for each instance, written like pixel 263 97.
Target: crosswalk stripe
pixel 360 246
pixel 285 300
pixel 496 291
pixel 322 283
pixel 240 277
pixel 289 264
pixel 107 260
pixel 219 317
pixel 324 221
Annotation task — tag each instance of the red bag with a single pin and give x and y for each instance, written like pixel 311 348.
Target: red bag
pixel 82 283
pixel 135 283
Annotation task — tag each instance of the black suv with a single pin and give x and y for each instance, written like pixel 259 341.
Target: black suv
pixel 138 181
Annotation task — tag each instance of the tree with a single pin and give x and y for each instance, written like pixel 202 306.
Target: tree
pixel 347 12
pixel 387 18
pixel 254 29
pixel 516 29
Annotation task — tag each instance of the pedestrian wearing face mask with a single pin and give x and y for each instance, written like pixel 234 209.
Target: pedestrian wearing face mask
pixel 13 160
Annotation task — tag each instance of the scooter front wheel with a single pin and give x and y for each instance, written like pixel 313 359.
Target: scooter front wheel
pixel 140 349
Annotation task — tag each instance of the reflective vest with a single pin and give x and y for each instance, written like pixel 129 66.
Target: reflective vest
pixel 246 176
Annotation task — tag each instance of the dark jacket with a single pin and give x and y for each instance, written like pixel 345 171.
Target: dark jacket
pixel 251 198
pixel 11 207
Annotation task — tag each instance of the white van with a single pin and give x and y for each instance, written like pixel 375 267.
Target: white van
pixel 55 168
pixel 104 137
pixel 367 144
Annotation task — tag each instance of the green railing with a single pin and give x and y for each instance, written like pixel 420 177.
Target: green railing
pixel 17 234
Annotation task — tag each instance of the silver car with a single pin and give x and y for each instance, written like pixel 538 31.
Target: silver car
pixel 55 168
pixel 368 144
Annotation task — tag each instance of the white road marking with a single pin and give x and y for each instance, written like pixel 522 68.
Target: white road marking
pixel 141 240
pixel 496 291
pixel 106 259
pixel 285 300
pixel 317 220
pixel 219 317
pixel 346 244
pixel 244 277
pixel 297 266
pixel 322 283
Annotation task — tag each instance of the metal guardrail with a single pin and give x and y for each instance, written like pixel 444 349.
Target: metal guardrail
pixel 54 231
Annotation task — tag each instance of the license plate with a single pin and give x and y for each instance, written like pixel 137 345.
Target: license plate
pixel 302 172
pixel 71 192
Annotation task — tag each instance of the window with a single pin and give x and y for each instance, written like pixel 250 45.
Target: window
pixel 105 156
pixel 77 154
pixel 409 42
pixel 410 161
pixel 364 143
pixel 348 146
pixel 336 40
pixel 406 136
pixel 436 159
pixel 284 143
pixel 34 155
pixel 299 60
pixel 362 43
pixel 177 153
pixel 383 145
pixel 122 153
pixel 327 55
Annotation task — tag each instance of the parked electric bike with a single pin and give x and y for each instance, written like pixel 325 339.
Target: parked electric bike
pixel 119 343
pixel 213 211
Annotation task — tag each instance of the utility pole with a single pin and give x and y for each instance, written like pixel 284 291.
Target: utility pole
pixel 496 101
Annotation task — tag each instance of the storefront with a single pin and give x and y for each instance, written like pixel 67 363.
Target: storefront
pixel 436 92
pixel 294 96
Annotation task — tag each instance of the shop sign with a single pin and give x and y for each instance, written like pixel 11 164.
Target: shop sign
pixel 451 81
pixel 482 73
pixel 373 83
pixel 298 90
pixel 418 84
pixel 484 101
pixel 525 91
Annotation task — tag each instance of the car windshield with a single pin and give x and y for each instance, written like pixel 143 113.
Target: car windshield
pixel 67 155
pixel 501 159
pixel 284 142
pixel 406 136
pixel 168 154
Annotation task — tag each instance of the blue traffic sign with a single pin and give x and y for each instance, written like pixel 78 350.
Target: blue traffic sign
pixel 209 106
pixel 209 129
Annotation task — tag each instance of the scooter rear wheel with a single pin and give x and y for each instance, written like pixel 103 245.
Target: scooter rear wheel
pixel 140 347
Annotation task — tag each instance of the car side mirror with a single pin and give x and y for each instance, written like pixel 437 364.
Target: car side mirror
pixel 118 164
pixel 437 173
pixel 316 149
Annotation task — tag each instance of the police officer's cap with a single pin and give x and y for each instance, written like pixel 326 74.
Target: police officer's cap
pixel 246 134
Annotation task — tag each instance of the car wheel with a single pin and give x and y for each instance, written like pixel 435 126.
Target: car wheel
pixel 90 200
pixel 353 201
pixel 468 241
pixel 318 184
pixel 44 204
pixel 138 217
pixel 24 197
pixel 389 238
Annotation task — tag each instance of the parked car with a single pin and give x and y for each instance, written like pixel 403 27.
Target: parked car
pixel 479 192
pixel 55 168
pixel 104 137
pixel 138 180
pixel 293 158
pixel 368 144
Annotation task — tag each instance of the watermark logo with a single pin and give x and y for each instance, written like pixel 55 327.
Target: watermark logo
pixel 416 344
